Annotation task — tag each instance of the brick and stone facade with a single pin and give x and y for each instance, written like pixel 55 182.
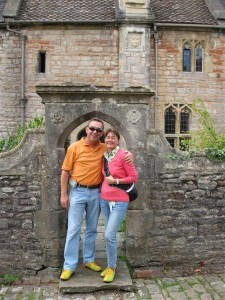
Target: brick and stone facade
pixel 176 86
pixel 110 46
pixel 121 62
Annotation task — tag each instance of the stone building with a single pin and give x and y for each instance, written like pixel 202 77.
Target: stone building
pixel 173 49
pixel 138 65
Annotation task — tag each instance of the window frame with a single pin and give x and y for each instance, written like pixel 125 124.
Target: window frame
pixel 187 49
pixel 199 46
pixel 41 62
pixel 178 135
pixel 193 45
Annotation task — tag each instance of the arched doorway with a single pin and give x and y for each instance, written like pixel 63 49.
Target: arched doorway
pixel 79 132
pixel 67 110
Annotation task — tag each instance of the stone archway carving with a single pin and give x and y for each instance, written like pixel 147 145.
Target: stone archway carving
pixel 106 118
pixel 66 107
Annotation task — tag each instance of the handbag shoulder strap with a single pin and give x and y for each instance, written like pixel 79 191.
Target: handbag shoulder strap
pixel 106 168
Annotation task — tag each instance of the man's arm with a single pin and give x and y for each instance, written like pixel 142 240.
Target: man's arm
pixel 64 186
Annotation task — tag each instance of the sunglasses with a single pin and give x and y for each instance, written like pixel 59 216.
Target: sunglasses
pixel 95 129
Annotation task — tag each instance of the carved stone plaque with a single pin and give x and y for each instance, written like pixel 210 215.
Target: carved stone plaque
pixel 57 117
pixel 133 116
pixel 134 41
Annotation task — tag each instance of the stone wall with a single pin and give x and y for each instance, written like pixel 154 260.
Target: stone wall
pixel 23 230
pixel 180 215
pixel 10 82
pixel 178 218
pixel 20 199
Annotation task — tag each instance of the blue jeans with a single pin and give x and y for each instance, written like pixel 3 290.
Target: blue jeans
pixel 82 201
pixel 112 220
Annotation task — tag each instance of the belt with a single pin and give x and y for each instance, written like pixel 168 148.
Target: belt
pixel 89 186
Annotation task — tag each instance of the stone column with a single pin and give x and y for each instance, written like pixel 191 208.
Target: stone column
pixel 134 43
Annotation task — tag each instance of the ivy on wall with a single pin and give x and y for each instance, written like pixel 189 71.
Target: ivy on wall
pixel 11 141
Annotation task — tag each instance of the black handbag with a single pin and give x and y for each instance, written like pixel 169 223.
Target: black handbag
pixel 130 188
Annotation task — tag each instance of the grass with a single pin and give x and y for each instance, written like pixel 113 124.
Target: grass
pixel 124 258
pixel 123 225
pixel 170 284
pixel 31 296
pixel 9 279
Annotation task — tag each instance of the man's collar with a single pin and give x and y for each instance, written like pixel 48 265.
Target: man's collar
pixel 87 144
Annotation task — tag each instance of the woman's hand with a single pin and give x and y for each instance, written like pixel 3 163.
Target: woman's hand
pixel 110 180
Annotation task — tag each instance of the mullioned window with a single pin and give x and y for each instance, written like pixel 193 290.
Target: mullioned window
pixel 177 121
pixel 193 55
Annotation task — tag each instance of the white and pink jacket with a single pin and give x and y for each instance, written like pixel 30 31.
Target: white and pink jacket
pixel 118 168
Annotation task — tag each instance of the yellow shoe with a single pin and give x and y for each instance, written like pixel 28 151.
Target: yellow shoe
pixel 92 266
pixel 104 272
pixel 66 274
pixel 109 275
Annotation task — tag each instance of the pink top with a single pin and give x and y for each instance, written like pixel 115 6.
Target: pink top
pixel 118 168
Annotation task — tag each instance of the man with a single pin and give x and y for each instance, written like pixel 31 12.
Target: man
pixel 83 167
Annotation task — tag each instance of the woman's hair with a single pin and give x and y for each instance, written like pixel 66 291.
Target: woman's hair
pixel 113 130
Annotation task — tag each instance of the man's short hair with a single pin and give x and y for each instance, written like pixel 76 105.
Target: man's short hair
pixel 96 120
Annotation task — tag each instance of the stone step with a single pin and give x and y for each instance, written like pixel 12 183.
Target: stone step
pixel 87 281
pixel 100 245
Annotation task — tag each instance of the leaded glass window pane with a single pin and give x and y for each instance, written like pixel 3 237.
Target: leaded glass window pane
pixel 170 121
pixel 186 58
pixel 198 58
pixel 171 141
pixel 184 121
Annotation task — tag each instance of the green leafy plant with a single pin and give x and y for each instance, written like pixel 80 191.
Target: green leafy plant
pixel 207 136
pixel 31 296
pixel 206 139
pixel 215 154
pixel 123 225
pixel 125 259
pixel 37 122
pixel 12 141
pixel 9 279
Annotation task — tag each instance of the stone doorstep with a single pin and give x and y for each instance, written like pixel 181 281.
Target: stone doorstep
pixel 86 281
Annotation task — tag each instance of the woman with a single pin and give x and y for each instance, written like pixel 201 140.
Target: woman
pixel 113 200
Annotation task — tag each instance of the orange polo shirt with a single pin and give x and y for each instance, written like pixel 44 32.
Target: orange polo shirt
pixel 84 162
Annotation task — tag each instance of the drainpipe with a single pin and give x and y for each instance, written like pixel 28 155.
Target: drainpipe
pixel 156 78
pixel 23 98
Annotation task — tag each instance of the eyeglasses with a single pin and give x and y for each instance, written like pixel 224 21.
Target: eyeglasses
pixel 95 129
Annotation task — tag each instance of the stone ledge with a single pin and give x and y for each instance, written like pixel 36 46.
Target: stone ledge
pixel 87 281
